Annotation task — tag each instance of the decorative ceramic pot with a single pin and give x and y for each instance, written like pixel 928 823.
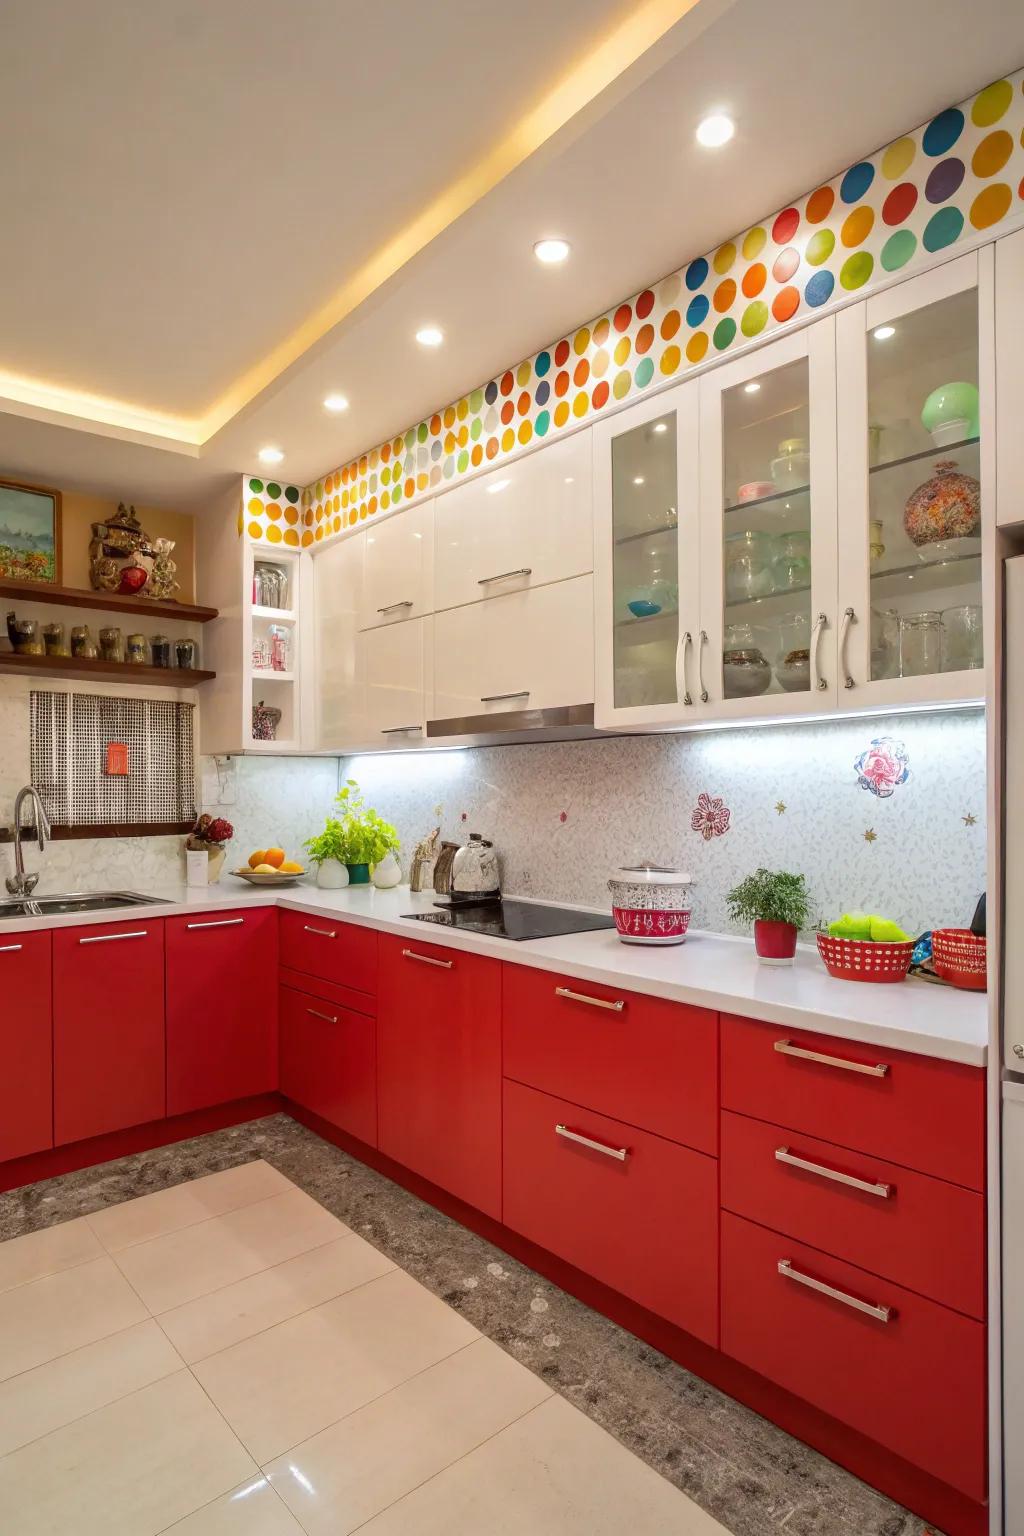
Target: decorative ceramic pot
pixel 358 874
pixel 331 875
pixel 775 943
pixel 651 904
pixel 950 412
pixel 388 873
pixel 948 506
pixel 216 862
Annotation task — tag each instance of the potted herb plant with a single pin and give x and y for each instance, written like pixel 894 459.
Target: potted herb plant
pixel 327 850
pixel 777 904
pixel 357 838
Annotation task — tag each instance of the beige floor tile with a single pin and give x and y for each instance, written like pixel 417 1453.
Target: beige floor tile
pixel 236 1312
pixel 552 1471
pixel 48 1317
pixel 136 1221
pixel 351 1471
pixel 64 1389
pixel 287 1384
pixel 170 1270
pixel 252 1510
pixel 130 1469
pixel 45 1252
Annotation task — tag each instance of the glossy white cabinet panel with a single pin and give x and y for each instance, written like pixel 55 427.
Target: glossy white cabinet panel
pixel 525 524
pixel 392 665
pixel 340 701
pixel 1009 263
pixel 398 568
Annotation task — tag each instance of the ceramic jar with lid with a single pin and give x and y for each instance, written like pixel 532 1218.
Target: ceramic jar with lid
pixel 948 506
pixel 111 644
pixel 748 557
pixel 792 469
pixel 82 642
pixel 651 904
pixel 746 670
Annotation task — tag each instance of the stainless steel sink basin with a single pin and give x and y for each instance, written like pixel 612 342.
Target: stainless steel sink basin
pixel 95 901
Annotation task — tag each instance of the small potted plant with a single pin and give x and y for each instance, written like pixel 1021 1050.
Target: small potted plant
pixel 204 849
pixel 357 838
pixel 327 850
pixel 777 904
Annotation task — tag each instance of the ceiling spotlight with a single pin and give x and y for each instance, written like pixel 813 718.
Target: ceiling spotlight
pixel 336 403
pixel 714 131
pixel 270 455
pixel 638 479
pixel 660 426
pixel 550 252
pixel 883 332
pixel 751 388
pixel 430 336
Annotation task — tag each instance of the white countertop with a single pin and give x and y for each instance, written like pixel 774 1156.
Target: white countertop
pixel 710 970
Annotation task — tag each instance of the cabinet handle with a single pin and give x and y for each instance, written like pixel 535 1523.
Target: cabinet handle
pixel 444 965
pixel 686 643
pixel 486 581
pixel 849 617
pixel 784 1155
pixel 820 625
pixel 787 1048
pixel 394 607
pixel 498 698
pixel 221 922
pixel 883 1314
pixel 323 933
pixel 328 1018
pixel 399 730
pixel 595 1002
pixel 702 642
pixel 8 949
pixel 106 938
pixel 619 1153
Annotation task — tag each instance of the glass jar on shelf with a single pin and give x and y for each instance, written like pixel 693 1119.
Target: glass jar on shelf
pixel 962 642
pixel 920 643
pixel 885 643
pixel 82 642
pixel 793 666
pixel 185 654
pixel 791 561
pixel 136 650
pixel 111 644
pixel 747 566
pixel 280 647
pixel 161 651
pixel 746 670
pixel 54 642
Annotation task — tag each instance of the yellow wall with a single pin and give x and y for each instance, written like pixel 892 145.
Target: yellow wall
pixel 80 512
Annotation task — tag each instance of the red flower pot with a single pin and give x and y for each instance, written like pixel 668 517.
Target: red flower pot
pixel 775 942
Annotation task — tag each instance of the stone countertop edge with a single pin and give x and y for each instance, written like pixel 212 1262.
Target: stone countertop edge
pixel 708 970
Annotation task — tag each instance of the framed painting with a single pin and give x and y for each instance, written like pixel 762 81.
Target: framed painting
pixel 30 547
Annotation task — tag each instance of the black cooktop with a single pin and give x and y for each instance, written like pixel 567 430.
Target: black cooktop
pixel 513 919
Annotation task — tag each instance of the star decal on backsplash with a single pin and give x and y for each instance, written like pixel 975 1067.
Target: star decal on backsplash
pixel 780 807
pixel 871 836
pixel 970 820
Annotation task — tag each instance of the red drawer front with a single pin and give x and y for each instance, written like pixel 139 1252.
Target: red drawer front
pixel 321 946
pixel 915 1384
pixel 921 1113
pixel 108 1028
pixel 26 1045
pixel 923 1233
pixel 348 997
pixel 646 1226
pixel 328 1062
pixel 651 1063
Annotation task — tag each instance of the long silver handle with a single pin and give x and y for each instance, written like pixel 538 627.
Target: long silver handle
pixel 687 642
pixel 870 1308
pixel 498 698
pixel 702 639
pixel 322 933
pixel 820 625
pixel 394 607
pixel 866 1186
pixel 486 581
pixel 399 730
pixel 595 1002
pixel 848 618
pixel 328 1018
pixel 105 938
pixel 619 1153
pixel 787 1048
pixel 444 965
pixel 8 949
pixel 221 922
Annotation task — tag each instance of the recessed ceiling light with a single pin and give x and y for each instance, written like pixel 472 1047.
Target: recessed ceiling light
pixel 751 388
pixel 430 336
pixel 569 479
pixel 661 426
pixel 270 455
pixel 638 479
pixel 716 130
pixel 499 485
pixel 550 252
pixel 883 332
pixel 335 403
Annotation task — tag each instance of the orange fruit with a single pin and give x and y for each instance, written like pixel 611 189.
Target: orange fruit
pixel 274 856
pixel 256 858
pixel 289 867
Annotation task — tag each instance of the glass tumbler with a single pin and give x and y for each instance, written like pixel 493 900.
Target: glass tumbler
pixel 962 644
pixel 920 643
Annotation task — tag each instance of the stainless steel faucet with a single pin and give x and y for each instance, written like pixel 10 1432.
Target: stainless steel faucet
pixel 20 884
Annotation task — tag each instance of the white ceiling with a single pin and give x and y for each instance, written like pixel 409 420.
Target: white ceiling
pixel 194 181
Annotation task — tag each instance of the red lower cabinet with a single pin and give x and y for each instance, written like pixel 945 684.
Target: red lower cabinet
pixel 633 1210
pixel 439 1067
pixel 328 1061
pixel 108 1028
pixel 900 1369
pixel 221 1007
pixel 26 1045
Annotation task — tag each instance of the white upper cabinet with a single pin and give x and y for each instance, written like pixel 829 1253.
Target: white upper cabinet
pixel 398 570
pixel 393 666
pixel 523 525
pixel 340 690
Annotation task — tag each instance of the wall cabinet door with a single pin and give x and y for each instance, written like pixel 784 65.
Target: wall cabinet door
pixel 329 1061
pixel 221 1007
pixel 340 689
pixel 526 650
pixel 916 486
pixel 522 525
pixel 392 664
pixel 398 567
pixel 26 1045
pixel 108 1028
pixel 439 1067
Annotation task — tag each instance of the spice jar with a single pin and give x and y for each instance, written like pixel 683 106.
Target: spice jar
pixel 111 644
pixel 161 651
pixel 53 640
pixel 28 640
pixel 185 654
pixel 136 651
pixel 82 642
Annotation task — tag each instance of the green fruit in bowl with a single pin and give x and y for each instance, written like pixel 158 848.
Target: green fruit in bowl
pixel 885 932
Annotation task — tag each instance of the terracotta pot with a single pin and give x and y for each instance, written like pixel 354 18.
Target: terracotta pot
pixel 775 942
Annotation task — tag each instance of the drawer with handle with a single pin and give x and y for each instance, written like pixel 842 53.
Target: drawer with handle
pixel 648 1062
pixel 913 1110
pixel 633 1210
pixel 922 1232
pixel 326 947
pixel 328 1061
pixel 891 1364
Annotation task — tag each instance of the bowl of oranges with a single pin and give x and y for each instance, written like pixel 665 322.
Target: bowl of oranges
pixel 270 866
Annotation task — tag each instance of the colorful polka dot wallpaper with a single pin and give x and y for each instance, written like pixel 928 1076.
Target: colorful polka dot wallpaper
pixel 957 177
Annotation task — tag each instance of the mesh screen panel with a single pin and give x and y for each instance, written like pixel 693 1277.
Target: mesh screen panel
pixel 69 737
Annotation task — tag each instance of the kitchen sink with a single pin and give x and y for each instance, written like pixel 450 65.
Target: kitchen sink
pixel 97 901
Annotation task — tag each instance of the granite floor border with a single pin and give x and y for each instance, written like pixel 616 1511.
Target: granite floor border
pixel 751 1476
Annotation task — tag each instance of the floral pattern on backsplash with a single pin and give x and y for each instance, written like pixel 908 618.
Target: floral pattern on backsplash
pixel 711 818
pixel 883 766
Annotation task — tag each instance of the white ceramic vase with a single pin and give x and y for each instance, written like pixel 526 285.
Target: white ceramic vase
pixel 331 876
pixel 388 873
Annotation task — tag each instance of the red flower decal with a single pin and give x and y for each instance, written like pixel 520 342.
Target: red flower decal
pixel 711 818
pixel 563 816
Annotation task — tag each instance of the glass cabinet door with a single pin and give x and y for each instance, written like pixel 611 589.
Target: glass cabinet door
pixel 911 454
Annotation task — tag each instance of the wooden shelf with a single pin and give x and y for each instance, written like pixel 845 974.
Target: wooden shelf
pixel 110 602
pixel 91 667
